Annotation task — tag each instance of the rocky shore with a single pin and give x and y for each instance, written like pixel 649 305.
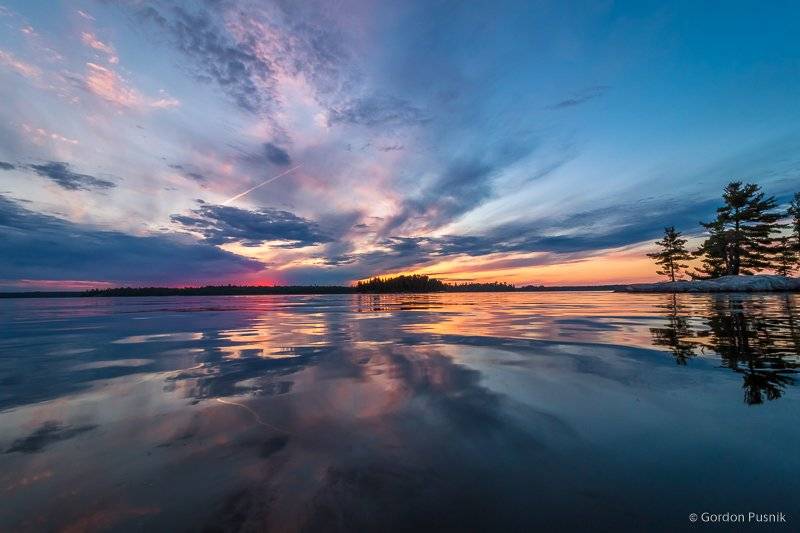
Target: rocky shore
pixel 759 283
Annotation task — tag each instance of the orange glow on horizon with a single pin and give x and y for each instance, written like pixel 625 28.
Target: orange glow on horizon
pixel 630 265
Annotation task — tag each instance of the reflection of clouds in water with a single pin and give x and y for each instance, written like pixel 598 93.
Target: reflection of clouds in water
pixel 466 411
pixel 108 364
pixel 222 376
pixel 256 417
pixel 391 433
pixel 168 335
pixel 48 433
pixel 160 337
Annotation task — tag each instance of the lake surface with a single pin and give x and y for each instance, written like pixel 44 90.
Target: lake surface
pixel 465 412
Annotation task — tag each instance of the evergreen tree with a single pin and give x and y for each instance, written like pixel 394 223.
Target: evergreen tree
pixel 673 252
pixel 715 252
pixel 794 216
pixel 741 237
pixel 786 257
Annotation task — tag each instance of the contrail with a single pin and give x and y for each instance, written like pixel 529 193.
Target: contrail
pixel 248 191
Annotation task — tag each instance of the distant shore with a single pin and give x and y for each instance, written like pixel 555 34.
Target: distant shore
pixel 235 290
pixel 757 283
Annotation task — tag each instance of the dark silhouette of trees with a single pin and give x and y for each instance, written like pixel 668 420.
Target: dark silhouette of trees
pixel 421 283
pixel 794 214
pixel 786 256
pixel 492 286
pixel 219 290
pixel 715 252
pixel 741 238
pixel 413 283
pixel 794 217
pixel 672 254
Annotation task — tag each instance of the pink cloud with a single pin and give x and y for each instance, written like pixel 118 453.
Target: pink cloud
pixel 20 67
pixel 37 135
pixel 110 86
pixel 91 41
pixel 58 284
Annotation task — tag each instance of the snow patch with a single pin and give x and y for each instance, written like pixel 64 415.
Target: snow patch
pixel 759 283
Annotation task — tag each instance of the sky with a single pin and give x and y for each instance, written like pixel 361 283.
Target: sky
pixel 320 142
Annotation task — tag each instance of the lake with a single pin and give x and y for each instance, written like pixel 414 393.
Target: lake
pixel 463 412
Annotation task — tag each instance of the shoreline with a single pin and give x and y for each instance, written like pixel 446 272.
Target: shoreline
pixel 731 284
pixel 275 291
pixel 726 284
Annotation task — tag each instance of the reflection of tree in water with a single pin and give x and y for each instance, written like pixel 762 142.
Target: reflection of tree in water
pixel 756 337
pixel 675 333
pixel 757 341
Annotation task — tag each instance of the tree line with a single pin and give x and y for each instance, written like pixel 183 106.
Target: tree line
pixel 388 284
pixel 748 235
pixel 422 283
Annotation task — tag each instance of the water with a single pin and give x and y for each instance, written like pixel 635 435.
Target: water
pixel 556 411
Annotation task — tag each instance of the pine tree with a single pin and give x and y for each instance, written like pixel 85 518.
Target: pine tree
pixel 715 252
pixel 741 237
pixel 786 257
pixel 673 252
pixel 794 216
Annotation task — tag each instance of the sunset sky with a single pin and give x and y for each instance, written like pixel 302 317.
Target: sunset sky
pixel 527 142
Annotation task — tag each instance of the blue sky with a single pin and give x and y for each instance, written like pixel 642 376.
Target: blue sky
pixel 530 142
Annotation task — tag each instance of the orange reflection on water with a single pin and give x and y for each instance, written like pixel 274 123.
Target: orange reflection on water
pixel 274 335
pixel 320 403
pixel 536 315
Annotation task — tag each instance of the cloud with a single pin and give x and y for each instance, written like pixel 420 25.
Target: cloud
pixel 462 185
pixel 588 231
pixel 6 166
pixel 221 224
pixel 378 111
pixel 38 246
pixel 61 174
pixel 582 97
pixel 276 155
pixel 91 41
pixel 564 239
pixel 269 154
pixel 235 67
pixel 7 59
pixel 113 88
pixel 38 135
pixel 190 173
pixel 255 47
pixel 165 102
pixel 108 85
